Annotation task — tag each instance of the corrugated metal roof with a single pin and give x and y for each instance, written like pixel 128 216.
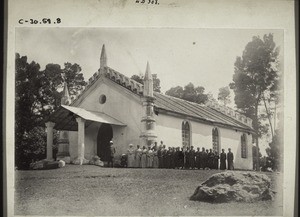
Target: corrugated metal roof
pixel 195 110
pixel 65 118
pixel 93 116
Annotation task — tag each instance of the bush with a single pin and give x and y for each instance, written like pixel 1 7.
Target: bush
pixel 32 147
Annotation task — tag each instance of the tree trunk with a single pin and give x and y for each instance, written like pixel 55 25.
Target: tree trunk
pixel 257 154
pixel 275 115
pixel 257 143
pixel 269 117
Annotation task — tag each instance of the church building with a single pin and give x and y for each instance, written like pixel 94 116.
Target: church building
pixel 115 107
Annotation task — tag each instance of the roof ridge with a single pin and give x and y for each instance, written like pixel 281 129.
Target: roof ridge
pixel 180 99
pixel 240 117
pixel 123 80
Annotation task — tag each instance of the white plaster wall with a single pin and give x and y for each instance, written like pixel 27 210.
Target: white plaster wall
pixel 201 135
pixel 90 140
pixel 73 141
pixel 169 131
pixel 121 105
pixel 232 139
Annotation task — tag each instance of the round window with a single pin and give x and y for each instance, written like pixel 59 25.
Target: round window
pixel 102 99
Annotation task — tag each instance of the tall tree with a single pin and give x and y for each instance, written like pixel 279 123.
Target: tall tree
pixel 275 149
pixel 156 81
pixel 189 93
pixel 255 74
pixel 28 84
pixel 224 95
pixel 38 93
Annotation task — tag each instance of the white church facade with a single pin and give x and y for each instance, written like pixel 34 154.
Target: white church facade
pixel 115 107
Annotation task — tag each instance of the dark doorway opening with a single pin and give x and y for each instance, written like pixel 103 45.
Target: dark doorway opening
pixel 105 135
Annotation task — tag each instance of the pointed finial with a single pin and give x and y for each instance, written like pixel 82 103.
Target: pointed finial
pixel 148 75
pixel 103 57
pixel 148 82
pixel 65 99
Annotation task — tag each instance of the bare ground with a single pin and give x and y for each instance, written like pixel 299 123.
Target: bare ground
pixel 94 191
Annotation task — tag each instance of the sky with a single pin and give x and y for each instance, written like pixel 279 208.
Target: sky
pixel 204 57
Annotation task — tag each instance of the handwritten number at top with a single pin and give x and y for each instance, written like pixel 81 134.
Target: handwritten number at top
pixel 148 1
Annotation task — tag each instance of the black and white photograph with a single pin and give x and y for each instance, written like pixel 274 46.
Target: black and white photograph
pixel 149 120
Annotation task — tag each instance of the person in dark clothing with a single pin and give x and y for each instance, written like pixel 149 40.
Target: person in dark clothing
pixel 176 158
pixel 173 158
pixel 198 158
pixel 169 156
pixel 192 158
pixel 203 159
pixel 164 156
pixel 111 155
pixel 181 158
pixel 159 155
pixel 223 160
pixel 216 161
pixel 230 159
pixel 124 160
pixel 211 159
pixel 186 158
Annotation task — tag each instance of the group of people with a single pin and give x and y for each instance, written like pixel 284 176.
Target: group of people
pixel 177 158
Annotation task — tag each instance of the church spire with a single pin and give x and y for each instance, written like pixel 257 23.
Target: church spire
pixel 65 99
pixel 148 75
pixel 148 82
pixel 149 133
pixel 103 57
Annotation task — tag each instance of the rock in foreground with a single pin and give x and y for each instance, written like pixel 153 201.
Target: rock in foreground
pixel 234 186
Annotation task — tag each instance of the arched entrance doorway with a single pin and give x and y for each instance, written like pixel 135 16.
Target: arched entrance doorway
pixel 105 134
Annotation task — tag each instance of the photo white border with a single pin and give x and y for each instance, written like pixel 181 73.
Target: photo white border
pixel 241 14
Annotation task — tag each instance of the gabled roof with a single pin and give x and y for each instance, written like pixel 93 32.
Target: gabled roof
pixel 171 105
pixel 195 110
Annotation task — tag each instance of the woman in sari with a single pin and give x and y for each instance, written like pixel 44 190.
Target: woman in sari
pixel 155 158
pixel 138 156
pixel 150 158
pixel 144 157
pixel 130 156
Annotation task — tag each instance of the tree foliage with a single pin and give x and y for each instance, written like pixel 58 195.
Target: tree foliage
pixel 189 93
pixel 275 149
pixel 38 94
pixel 224 95
pixel 255 76
pixel 254 156
pixel 156 81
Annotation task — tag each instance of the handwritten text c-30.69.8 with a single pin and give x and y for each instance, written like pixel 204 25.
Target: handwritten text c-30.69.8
pixel 40 21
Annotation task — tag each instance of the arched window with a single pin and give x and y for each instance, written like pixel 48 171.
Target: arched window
pixel 215 140
pixel 244 145
pixel 186 134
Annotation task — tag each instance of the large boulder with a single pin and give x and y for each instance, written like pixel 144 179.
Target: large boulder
pixel 234 186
